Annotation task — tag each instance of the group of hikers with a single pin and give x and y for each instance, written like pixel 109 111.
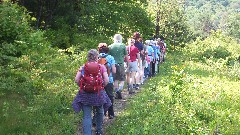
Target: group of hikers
pixel 101 79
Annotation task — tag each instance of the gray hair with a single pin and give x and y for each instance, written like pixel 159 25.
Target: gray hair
pixel 92 55
pixel 117 38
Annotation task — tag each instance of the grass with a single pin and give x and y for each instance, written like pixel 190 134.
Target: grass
pixel 187 97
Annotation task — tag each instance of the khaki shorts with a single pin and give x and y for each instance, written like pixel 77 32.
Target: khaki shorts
pixel 120 72
pixel 133 67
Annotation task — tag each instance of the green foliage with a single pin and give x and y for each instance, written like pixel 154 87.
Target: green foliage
pixel 172 22
pixel 204 16
pixel 14 27
pixel 36 81
pixel 14 22
pixel 219 52
pixel 214 47
pixel 67 21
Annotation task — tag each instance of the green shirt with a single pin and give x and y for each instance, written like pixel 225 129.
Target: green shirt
pixel 118 51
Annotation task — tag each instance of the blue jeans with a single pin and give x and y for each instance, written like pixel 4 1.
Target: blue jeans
pixel 87 119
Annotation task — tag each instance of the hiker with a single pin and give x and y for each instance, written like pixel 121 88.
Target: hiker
pixel 139 45
pixel 150 57
pixel 163 51
pixel 144 59
pixel 134 66
pixel 91 78
pixel 159 55
pixel 119 52
pixel 153 58
pixel 156 54
pixel 110 63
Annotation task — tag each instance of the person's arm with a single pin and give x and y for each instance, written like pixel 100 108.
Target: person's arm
pixel 78 76
pixel 127 59
pixel 126 55
pixel 113 69
pixel 105 78
pixel 139 59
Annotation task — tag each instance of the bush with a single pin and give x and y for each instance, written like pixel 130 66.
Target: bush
pixel 218 52
pixel 217 46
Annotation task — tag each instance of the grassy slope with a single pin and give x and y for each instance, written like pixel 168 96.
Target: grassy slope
pixel 186 97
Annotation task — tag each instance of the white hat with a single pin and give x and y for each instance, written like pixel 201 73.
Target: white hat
pixel 147 42
pixel 152 42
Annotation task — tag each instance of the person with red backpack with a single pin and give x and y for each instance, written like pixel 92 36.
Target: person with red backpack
pixel 92 77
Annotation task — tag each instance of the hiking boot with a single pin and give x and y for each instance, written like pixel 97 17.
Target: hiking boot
pixel 118 95
pixel 137 86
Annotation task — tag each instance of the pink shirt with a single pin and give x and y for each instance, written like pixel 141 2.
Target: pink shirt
pixel 132 52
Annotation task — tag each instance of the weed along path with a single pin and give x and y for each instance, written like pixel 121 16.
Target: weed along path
pixel 119 107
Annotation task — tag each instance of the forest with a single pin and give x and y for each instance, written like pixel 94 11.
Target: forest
pixel 44 42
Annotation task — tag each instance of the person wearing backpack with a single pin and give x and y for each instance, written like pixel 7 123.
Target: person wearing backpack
pixel 162 50
pixel 139 45
pixel 109 62
pixel 150 56
pixel 119 52
pixel 144 62
pixel 92 77
pixel 134 65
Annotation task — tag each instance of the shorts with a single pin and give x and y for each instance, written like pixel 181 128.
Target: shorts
pixel 120 73
pixel 133 67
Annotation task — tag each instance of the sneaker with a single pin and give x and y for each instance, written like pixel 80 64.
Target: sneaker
pixel 137 86
pixel 134 85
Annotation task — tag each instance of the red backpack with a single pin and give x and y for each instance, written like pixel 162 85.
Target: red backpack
pixel 91 80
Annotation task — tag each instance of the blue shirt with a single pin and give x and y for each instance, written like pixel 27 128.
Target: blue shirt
pixel 150 51
pixel 155 50
pixel 139 45
pixel 110 62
